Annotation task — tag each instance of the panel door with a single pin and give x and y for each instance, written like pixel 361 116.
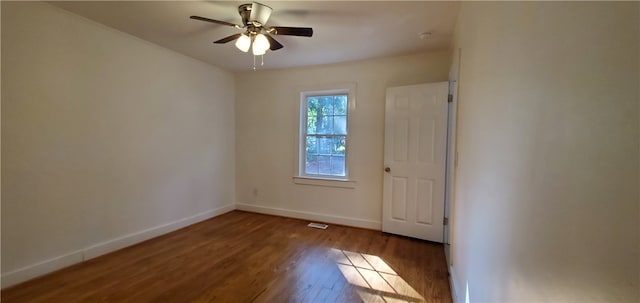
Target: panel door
pixel 414 158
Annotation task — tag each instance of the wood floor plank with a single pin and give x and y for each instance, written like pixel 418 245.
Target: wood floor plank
pixel 247 257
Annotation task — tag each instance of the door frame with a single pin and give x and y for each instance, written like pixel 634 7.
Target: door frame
pixel 452 156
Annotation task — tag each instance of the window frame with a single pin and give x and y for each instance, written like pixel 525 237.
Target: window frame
pixel 318 179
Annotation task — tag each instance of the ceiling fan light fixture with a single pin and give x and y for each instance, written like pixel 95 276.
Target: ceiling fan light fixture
pixel 243 43
pixel 260 45
pixel 257 35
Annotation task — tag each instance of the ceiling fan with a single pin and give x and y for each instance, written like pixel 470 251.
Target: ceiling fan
pixel 257 35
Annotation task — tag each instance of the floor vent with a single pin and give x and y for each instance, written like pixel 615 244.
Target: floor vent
pixel 318 225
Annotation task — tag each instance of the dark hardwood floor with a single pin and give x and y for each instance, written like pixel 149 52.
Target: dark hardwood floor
pixel 246 257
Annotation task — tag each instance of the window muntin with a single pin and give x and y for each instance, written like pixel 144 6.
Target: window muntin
pixel 324 135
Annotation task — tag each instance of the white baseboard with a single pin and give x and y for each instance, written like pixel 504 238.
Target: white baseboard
pixel 40 268
pixel 47 266
pixel 369 224
pixel 137 237
pixel 454 287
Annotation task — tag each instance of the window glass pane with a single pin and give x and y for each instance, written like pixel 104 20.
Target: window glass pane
pixel 312 146
pixel 312 106
pixel 325 145
pixel 312 124
pixel 339 145
pixel 340 125
pixel 311 164
pixel 337 165
pixel 326 102
pixel 312 114
pixel 340 105
pixel 324 125
pixel 324 165
pixel 326 135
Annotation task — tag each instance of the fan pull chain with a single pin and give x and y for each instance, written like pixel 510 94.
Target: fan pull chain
pixel 261 61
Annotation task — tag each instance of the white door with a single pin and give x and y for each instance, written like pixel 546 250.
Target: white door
pixel 414 158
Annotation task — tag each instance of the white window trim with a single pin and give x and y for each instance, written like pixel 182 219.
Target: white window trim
pixel 342 183
pixel 325 180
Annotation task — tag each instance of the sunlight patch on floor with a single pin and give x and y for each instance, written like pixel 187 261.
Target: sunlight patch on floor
pixel 374 279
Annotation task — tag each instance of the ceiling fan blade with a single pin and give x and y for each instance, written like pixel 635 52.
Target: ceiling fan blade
pixel 291 31
pixel 275 45
pixel 215 21
pixel 227 39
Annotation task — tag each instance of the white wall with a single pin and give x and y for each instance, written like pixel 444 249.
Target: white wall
pixel 547 193
pixel 267 124
pixel 106 140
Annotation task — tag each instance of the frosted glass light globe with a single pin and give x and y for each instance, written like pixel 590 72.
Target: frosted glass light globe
pixel 243 43
pixel 260 44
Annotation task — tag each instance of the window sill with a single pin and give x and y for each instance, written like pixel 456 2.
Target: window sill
pixel 325 182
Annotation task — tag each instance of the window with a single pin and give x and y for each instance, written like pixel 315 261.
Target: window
pixel 323 134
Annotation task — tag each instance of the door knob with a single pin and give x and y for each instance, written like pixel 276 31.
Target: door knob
pixel 387 169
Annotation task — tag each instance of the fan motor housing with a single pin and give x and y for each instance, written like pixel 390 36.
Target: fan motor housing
pixel 245 11
pixel 255 14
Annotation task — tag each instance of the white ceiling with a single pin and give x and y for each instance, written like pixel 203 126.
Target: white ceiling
pixel 343 31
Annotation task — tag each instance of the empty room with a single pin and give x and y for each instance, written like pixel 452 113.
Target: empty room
pixel 320 151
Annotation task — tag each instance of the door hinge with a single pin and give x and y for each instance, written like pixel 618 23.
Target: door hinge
pixel 445 221
pixel 450 98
